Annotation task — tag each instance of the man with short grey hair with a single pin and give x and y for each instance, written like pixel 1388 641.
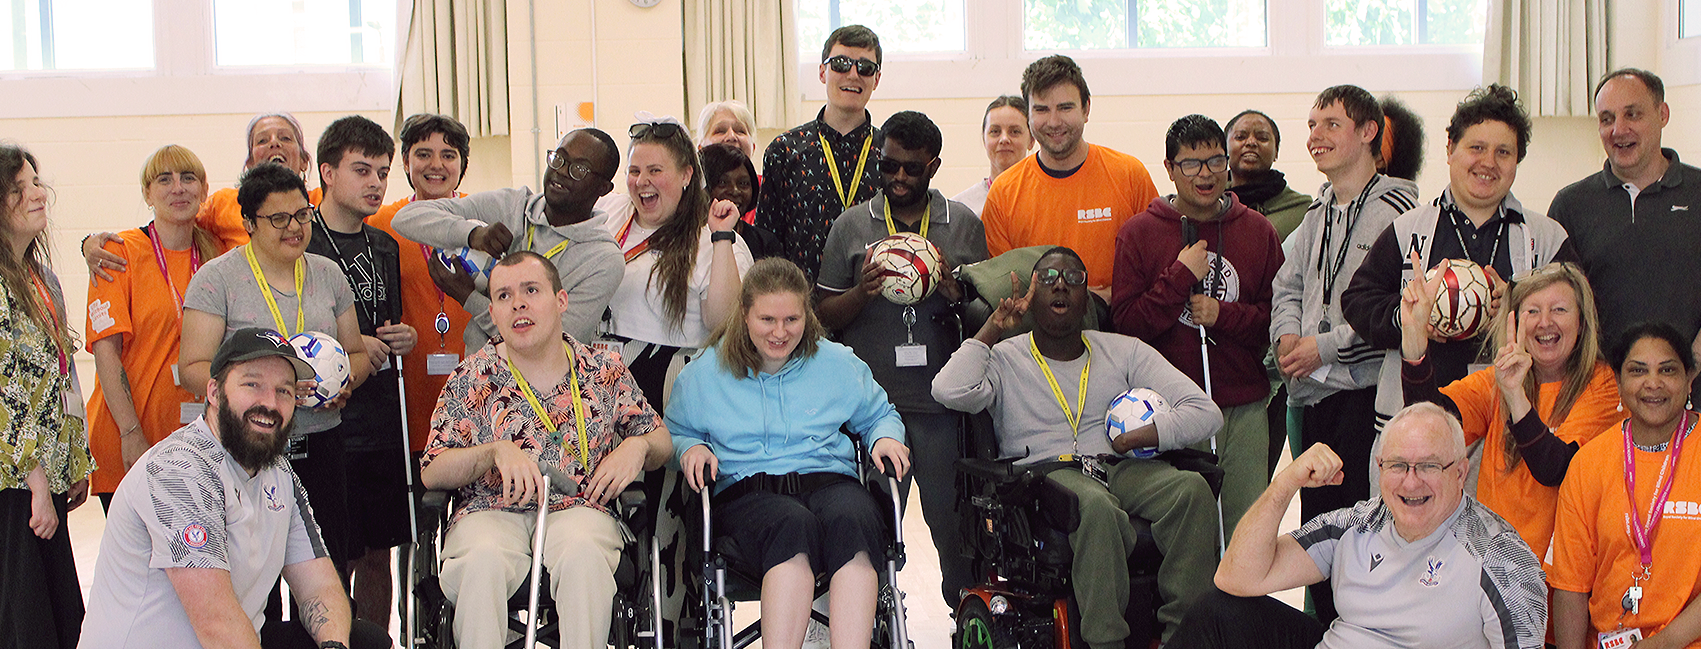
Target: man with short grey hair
pixel 1422 564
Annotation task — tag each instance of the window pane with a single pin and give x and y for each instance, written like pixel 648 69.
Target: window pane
pixel 1074 24
pixel 1104 24
pixel 1456 22
pixel 76 35
pixel 1689 19
pixel 912 26
pixel 304 32
pixel 1391 22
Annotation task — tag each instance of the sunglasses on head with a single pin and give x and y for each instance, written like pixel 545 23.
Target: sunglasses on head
pixel 842 64
pixel 658 130
pixel 1049 277
pixel 914 169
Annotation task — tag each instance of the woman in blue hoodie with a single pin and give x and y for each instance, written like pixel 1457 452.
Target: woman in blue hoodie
pixel 759 415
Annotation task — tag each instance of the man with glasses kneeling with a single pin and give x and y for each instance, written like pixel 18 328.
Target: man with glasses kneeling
pixel 1421 565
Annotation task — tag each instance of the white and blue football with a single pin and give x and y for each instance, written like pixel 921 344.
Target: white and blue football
pixel 329 362
pixel 1133 409
pixel 474 261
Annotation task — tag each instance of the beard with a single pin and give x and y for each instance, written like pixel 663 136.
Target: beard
pixel 250 448
pixel 917 194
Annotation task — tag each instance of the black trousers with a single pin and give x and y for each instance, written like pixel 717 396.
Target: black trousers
pixel 1219 619
pixel 1346 421
pixel 41 604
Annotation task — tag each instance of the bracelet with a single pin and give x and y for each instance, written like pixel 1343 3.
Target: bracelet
pixel 715 237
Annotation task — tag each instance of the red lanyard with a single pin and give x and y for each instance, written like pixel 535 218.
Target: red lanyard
pixel 620 240
pixel 47 301
pixel 1642 534
pixel 159 257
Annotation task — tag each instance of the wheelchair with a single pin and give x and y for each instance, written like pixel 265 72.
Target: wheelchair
pixel 636 622
pixel 725 580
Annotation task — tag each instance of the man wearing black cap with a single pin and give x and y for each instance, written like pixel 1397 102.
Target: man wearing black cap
pixel 196 538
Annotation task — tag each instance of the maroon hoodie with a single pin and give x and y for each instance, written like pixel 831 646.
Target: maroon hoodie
pixel 1150 291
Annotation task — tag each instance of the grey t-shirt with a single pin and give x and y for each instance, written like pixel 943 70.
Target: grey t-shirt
pixel 877 331
pixel 1470 583
pixel 187 504
pixel 226 287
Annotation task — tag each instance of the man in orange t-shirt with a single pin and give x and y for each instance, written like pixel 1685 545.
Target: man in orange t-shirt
pixel 1070 193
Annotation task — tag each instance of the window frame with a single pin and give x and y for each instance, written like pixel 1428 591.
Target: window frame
pixel 1680 63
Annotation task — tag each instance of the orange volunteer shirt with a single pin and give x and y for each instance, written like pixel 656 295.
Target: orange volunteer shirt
pixel 221 215
pixel 137 305
pixel 1592 551
pixel 1515 495
pixel 1027 207
pixel 421 302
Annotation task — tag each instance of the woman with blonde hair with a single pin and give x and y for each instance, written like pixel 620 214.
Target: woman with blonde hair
pixel 727 122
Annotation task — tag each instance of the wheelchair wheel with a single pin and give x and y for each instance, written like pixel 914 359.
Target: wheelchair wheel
pixel 976 628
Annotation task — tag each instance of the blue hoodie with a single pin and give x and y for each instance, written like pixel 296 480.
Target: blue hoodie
pixel 780 423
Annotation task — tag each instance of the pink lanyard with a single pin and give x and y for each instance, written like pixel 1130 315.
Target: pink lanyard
pixel 1642 534
pixel 159 257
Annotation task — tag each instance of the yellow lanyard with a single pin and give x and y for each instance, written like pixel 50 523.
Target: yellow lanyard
pixel 833 168
pixel 1073 417
pixel 892 227
pixel 578 405
pixel 272 303
pixel 552 251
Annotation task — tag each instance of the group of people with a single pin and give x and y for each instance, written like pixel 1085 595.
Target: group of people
pixel 715 327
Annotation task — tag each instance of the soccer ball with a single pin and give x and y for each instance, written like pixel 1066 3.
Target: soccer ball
pixel 909 267
pixel 1461 302
pixel 329 363
pixel 472 260
pixel 1133 409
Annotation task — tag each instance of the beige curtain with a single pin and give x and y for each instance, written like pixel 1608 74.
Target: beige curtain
pixel 1551 51
pixel 740 49
pixel 456 64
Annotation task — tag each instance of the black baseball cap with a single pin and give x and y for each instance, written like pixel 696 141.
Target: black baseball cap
pixel 255 342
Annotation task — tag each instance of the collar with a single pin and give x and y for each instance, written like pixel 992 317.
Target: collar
pixel 857 133
pixel 1671 178
pixel 938 214
pixel 1510 210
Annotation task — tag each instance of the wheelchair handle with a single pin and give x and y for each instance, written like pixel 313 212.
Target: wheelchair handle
pixel 559 483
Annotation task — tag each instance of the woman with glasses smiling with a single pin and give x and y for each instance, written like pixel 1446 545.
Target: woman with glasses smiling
pixel 273 283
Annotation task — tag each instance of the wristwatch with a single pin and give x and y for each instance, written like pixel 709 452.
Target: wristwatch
pixel 722 236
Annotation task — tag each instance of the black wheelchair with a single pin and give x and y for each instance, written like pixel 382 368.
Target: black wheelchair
pixel 726 580
pixel 636 622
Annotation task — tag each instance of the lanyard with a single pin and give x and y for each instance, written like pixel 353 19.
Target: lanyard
pixel 1454 214
pixel 1642 534
pixel 833 168
pixel 1072 416
pixel 892 227
pixel 552 251
pixel 441 323
pixel 578 405
pixel 1331 274
pixel 266 291
pixel 47 301
pixel 620 239
pixel 159 256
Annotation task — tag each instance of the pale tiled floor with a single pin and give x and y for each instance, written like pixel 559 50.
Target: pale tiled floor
pixel 930 622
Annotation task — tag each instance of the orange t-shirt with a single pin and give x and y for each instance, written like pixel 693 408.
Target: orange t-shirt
pixel 421 302
pixel 221 215
pixel 1592 550
pixel 1027 207
pixel 137 305
pixel 1515 494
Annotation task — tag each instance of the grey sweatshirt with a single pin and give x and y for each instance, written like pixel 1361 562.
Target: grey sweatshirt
pixel 1006 381
pixel 590 266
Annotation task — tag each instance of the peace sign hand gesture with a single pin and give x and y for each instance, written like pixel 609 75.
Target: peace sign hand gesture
pixel 1417 301
pixel 1010 311
pixel 1511 365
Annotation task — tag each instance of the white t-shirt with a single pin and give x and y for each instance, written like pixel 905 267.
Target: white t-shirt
pixel 637 306
pixel 975 195
pixel 188 504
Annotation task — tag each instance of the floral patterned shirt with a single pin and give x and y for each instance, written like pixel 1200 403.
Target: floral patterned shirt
pixel 481 403
pixel 799 200
pixel 35 429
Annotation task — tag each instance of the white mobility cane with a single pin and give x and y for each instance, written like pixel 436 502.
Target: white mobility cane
pixel 409 614
pixel 1191 234
pixel 554 481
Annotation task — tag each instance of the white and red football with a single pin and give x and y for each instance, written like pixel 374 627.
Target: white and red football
pixel 1461 302
pixel 909 267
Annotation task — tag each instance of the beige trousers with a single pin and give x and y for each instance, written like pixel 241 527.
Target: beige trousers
pixel 488 554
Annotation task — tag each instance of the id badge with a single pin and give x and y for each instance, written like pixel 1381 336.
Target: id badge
pixel 189 411
pixel 441 364
pixel 297 448
pixel 1473 368
pixel 1621 639
pixel 386 364
pixel 912 355
pixel 610 346
pixel 1093 468
pixel 176 379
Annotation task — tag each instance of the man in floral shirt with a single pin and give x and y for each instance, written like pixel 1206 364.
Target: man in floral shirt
pixel 536 394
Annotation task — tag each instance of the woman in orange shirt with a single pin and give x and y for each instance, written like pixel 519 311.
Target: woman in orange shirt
pixel 1549 380
pixel 135 321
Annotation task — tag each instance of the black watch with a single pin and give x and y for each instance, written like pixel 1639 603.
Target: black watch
pixel 723 236
pixel 332 644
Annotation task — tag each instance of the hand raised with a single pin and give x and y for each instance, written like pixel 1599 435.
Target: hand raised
pixel 1318 466
pixel 492 239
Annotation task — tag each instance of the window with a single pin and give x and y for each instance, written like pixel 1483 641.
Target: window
pixel 304 32
pixel 912 26
pixel 76 35
pixel 1689 18
pixel 1404 22
pixel 1121 24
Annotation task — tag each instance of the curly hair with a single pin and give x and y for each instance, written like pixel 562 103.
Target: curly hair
pixel 1497 103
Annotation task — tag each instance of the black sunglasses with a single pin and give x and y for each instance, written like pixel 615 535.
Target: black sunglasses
pixel 660 130
pixel 914 169
pixel 1049 277
pixel 842 64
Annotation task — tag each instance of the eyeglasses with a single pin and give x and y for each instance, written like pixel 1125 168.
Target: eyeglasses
pixel 575 170
pixel 1190 167
pixel 281 220
pixel 1049 277
pixel 658 130
pixel 842 64
pixel 914 169
pixel 1424 469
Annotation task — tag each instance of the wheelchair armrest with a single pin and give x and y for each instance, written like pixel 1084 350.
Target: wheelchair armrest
pixel 434 501
pixel 634 497
pixel 1197 461
pixel 1000 472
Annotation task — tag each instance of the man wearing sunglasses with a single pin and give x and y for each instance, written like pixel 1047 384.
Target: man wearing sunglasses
pixel 905 346
pixel 815 172
pixel 1193 277
pixel 552 223
pixel 1032 385
pixel 1422 565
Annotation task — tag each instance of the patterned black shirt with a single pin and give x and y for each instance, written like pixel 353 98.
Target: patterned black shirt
pixel 799 201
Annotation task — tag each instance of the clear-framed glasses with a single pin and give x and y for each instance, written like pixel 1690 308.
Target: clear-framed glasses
pixel 1049 277
pixel 1190 167
pixel 281 220
pixel 575 170
pixel 1424 469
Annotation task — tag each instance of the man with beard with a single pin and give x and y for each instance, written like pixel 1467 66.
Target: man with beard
pixel 197 536
pixel 906 345
pixel 553 224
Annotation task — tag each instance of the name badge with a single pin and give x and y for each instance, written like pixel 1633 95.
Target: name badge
pixel 386 364
pixel 1620 639
pixel 297 448
pixel 611 346
pixel 912 355
pixel 188 411
pixel 1473 368
pixel 441 364
pixel 176 379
